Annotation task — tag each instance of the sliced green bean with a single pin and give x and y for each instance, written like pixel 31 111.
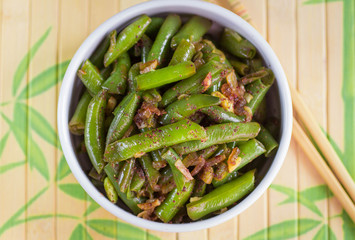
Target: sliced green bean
pixel 161 45
pixel 236 44
pixel 126 174
pixel 91 77
pixel 106 72
pixel 147 44
pixel 199 189
pixel 241 68
pixel 117 82
pixel 124 114
pixel 184 52
pixel 137 183
pixel 248 152
pixel 258 90
pixel 220 133
pixel 222 197
pixel 154 26
pixel 164 76
pixel 193 84
pixel 151 173
pixel 131 203
pixel 132 74
pixel 126 39
pixel 165 136
pixel 97 58
pixel 220 115
pixel 208 152
pixel 185 107
pixel 77 122
pixel 174 202
pixel 192 31
pixel 110 190
pixel 267 140
pixel 94 130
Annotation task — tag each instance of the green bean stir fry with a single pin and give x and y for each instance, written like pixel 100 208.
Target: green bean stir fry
pixel 171 118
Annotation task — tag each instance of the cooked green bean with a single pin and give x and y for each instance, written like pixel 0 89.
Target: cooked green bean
pixel 164 76
pixel 131 203
pixel 124 114
pixel 154 26
pixel 97 58
pixel 132 74
pixel 220 115
pixel 146 46
pixel 220 133
pixel 91 77
pixel 110 190
pixel 77 122
pixel 239 67
pixel 248 151
pixel 184 52
pixel 161 45
pixel 117 82
pixel 199 189
pixel 267 140
pixel 94 130
pixel 137 183
pixel 126 174
pixel 237 45
pixel 192 31
pixel 193 84
pixel 151 173
pixel 174 202
pixel 208 152
pixel 222 197
pixel 185 107
pixel 165 136
pixel 126 39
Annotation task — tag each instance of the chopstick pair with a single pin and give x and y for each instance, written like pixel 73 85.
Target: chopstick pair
pixel 344 190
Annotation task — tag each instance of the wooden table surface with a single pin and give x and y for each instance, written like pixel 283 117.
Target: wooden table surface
pixel 40 198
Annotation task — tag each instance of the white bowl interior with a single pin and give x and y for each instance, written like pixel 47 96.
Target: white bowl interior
pixel 278 101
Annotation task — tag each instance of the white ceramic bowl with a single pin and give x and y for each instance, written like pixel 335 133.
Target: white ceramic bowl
pixel 71 89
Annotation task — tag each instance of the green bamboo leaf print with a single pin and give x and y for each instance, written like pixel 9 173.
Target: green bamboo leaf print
pixel 92 207
pixel 36 158
pixel 124 231
pixel 316 193
pixel 63 169
pixel 286 229
pixel 11 221
pixel 325 232
pixel 74 190
pixel 10 166
pixel 24 64
pixel 19 134
pixel 3 142
pixel 320 1
pixel 294 197
pixel 348 226
pixel 333 143
pixel 80 233
pixel 44 81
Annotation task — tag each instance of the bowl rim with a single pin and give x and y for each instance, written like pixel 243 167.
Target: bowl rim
pixel 208 10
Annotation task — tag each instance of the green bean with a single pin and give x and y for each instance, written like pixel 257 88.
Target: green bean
pixel 228 178
pixel 248 152
pixel 193 84
pixel 132 74
pixel 267 140
pixel 147 44
pixel 199 189
pixel 164 76
pixel 185 107
pixel 184 52
pixel 110 190
pixel 137 183
pixel 126 39
pixel 236 45
pixel 220 115
pixel 192 31
pixel 174 202
pixel 258 90
pixel 95 175
pixel 222 197
pixel 174 161
pixel 106 72
pixel 161 45
pixel 94 130
pixel 97 58
pixel 151 96
pixel 260 74
pixel 239 67
pixel 234 144
pixel 90 77
pixel 158 162
pixel 261 112
pixel 208 152
pixel 220 133
pixel 255 64
pixel 154 26
pixel 117 82
pixel 126 174
pixel 165 136
pixel 214 87
pixel 77 122
pixel 124 114
pixel 131 203
pixel 152 174
pixel 221 171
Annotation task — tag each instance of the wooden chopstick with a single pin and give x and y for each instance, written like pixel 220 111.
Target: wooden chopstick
pixel 323 169
pixel 306 117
